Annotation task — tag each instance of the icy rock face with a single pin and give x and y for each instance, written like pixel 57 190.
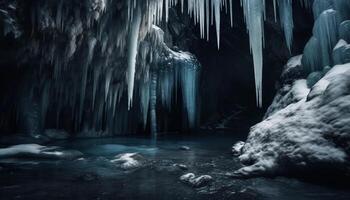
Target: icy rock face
pixel 97 61
pixel 331 25
pixel 310 133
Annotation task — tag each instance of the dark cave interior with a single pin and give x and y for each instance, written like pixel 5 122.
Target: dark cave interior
pixel 170 99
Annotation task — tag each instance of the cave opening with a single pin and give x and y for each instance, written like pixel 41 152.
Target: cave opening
pixel 174 99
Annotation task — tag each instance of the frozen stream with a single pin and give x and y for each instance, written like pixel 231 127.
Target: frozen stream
pixel 94 176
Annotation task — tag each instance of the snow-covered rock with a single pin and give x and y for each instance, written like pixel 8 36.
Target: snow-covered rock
pixel 288 94
pixel 194 181
pixel 187 177
pixel 293 70
pixel 310 132
pixel 129 160
pixel 38 151
pixel 237 148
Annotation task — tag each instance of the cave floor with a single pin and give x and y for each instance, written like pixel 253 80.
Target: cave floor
pixel 96 177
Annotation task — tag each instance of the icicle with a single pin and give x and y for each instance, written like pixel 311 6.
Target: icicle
pixel 189 86
pixel 145 100
pixel 109 74
pixel 207 13
pixel 275 10
pixel 217 13
pixel 166 83
pixel 153 104
pixel 167 10
pixel 286 18
pixel 132 53
pixel 254 11
pixel 231 12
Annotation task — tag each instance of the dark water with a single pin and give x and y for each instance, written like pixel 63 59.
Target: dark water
pixel 95 177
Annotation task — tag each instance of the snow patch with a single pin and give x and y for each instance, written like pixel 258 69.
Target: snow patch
pixel 38 151
pixel 128 160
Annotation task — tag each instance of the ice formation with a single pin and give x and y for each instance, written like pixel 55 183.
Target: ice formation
pixel 326 30
pixel 306 130
pixel 344 30
pixel 286 20
pixel 330 26
pixel 87 66
pixel 132 52
pixel 254 12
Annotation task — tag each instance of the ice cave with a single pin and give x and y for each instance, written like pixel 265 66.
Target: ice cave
pixel 175 99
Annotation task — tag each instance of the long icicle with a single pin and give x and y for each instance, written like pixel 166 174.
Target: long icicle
pixel 254 12
pixel 132 53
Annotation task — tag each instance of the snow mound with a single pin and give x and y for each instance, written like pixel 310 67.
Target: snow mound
pixel 129 160
pixel 307 132
pixel 38 151
pixel 194 181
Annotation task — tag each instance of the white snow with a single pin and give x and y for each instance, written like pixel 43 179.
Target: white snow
pixel 128 160
pixel 237 148
pixel 305 134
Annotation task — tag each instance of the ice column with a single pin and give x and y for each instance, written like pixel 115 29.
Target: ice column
pixel 326 31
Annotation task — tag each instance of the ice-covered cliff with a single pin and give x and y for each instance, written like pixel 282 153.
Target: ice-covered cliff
pixel 306 129
pixel 98 67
